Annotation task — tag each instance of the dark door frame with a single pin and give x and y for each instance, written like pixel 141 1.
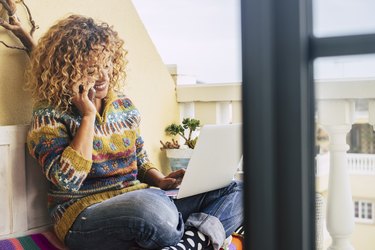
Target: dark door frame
pixel 278 50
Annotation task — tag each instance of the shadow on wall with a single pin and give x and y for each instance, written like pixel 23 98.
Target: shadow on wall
pixel 15 103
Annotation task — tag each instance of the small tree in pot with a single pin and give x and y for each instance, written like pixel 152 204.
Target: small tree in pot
pixel 179 156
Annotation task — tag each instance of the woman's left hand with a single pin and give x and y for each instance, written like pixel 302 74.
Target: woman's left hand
pixel 171 181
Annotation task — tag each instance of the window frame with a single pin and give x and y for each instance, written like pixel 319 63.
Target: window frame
pixel 360 203
pixel 278 50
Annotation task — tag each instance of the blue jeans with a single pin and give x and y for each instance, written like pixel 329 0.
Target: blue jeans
pixel 150 219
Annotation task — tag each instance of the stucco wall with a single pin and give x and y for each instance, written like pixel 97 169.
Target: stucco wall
pixel 148 83
pixel 363 186
pixel 363 236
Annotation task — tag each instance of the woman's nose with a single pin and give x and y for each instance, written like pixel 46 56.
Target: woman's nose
pixel 102 73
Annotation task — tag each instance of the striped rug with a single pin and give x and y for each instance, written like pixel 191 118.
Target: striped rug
pixel 48 241
pixel 41 241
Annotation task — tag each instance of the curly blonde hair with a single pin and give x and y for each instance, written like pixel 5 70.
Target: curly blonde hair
pixel 60 60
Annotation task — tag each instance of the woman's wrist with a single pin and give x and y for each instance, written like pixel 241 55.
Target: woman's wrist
pixel 89 117
pixel 153 177
pixel 84 136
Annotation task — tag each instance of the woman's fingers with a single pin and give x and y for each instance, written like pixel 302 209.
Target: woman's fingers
pixel 91 91
pixel 177 174
pixel 91 94
pixel 84 88
pixel 82 91
pixel 80 94
pixel 170 183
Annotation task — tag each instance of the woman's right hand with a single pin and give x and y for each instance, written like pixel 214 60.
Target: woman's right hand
pixel 82 141
pixel 83 99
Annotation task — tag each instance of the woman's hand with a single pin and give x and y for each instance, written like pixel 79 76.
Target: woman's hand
pixel 171 181
pixel 83 99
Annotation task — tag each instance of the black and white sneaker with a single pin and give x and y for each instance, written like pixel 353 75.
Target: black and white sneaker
pixel 192 240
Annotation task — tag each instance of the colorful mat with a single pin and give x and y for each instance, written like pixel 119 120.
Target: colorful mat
pixel 42 241
pixel 48 241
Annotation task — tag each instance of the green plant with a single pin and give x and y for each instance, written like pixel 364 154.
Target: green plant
pixel 188 125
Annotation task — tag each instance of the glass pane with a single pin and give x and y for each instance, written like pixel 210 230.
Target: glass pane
pixel 369 210
pixel 345 67
pixel 356 209
pixel 343 17
pixel 345 119
pixel 363 211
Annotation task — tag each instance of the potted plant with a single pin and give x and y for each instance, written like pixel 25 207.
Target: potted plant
pixel 178 155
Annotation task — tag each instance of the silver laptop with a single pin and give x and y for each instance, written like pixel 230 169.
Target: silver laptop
pixel 214 162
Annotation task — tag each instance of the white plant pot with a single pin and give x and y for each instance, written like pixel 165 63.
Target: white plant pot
pixel 179 158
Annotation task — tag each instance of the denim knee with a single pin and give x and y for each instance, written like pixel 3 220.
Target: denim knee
pixel 169 234
pixel 161 215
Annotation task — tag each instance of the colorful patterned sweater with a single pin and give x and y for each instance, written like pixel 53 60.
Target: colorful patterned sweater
pixel 118 165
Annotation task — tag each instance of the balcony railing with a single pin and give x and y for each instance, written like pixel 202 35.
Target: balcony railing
pixel 358 164
pixel 361 164
pixel 211 103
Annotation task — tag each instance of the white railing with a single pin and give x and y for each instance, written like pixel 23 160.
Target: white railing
pixel 358 164
pixel 211 103
pixel 361 164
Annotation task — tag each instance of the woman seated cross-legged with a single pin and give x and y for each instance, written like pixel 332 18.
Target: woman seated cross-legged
pixel 85 135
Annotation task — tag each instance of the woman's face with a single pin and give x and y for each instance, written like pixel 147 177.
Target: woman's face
pixel 100 70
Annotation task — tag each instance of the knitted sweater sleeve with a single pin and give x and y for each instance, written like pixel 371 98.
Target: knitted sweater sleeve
pixel 48 142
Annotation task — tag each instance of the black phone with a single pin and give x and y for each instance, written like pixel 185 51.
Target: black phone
pixel 80 89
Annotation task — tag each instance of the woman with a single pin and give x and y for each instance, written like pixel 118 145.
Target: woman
pixel 85 135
